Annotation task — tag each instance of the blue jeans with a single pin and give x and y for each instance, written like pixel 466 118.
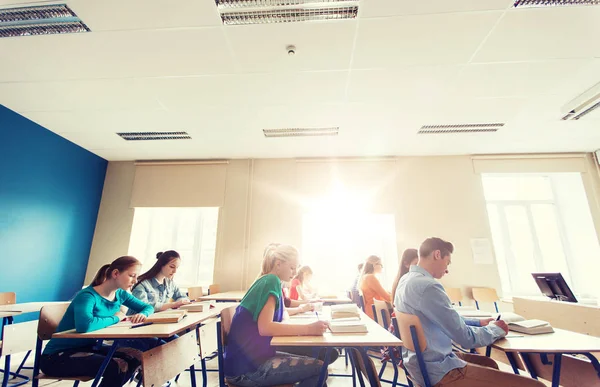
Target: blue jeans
pixel 282 369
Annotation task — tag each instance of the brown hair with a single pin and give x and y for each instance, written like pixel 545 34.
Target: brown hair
pixel 121 264
pixel 162 259
pixel 407 257
pixel 276 252
pixel 430 245
pixel 369 266
pixel 302 272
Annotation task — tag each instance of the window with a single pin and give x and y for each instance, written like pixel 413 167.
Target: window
pixel 541 223
pixel 192 232
pixel 333 244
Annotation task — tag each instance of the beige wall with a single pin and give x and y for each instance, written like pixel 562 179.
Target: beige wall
pixel 263 202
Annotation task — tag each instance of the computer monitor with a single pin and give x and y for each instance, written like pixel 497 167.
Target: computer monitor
pixel 554 286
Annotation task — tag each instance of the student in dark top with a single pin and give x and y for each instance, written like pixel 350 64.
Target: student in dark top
pixel 249 359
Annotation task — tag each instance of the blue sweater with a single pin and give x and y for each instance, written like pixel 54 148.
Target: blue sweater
pixel 89 311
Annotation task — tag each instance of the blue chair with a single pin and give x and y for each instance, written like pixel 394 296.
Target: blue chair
pixel 362 303
pixel 486 295
pixel 413 339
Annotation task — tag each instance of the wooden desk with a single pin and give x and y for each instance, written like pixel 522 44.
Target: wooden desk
pixel 189 325
pixel 11 310
pixel 335 300
pixel 558 343
pixel 233 296
pixel 375 337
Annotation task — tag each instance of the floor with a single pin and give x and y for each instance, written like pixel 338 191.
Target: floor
pixel 184 381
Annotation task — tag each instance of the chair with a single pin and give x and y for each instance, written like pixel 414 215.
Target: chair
pixel 214 288
pixel 50 316
pixel 223 328
pixel 413 338
pixel 486 295
pixel 195 292
pixel 7 298
pixel 362 302
pixel 17 338
pixel 455 295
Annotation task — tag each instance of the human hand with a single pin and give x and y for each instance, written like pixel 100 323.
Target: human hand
pixel 181 301
pixel 502 324
pixel 485 321
pixel 317 328
pixel 137 318
pixel 120 315
pixel 307 308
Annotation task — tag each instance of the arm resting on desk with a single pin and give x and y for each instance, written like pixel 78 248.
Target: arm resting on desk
pixel 85 321
pixel 268 327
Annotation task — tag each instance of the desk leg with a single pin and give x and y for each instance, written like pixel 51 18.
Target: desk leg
pixel 528 365
pixel 355 368
pixel 323 374
pixel 513 362
pixel 193 375
pixel 556 370
pixel 373 380
pixel 6 371
pixel 108 357
pixel 594 361
pixel 204 373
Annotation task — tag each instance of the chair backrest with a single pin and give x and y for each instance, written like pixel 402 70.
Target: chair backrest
pixel 50 316
pixel 405 322
pixel 362 302
pixel 8 298
pixel 485 295
pixel 214 288
pixel 455 295
pixel 381 311
pixel 226 320
pixel 413 338
pixel 195 292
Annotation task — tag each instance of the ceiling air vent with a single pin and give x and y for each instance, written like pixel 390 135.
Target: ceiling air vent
pixel 465 128
pixel 39 20
pixel 553 3
pixel 583 105
pixel 240 12
pixel 301 132
pixel 148 136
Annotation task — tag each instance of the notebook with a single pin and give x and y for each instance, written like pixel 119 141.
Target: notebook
pixel 531 327
pixel 347 327
pixel 344 311
pixel 167 317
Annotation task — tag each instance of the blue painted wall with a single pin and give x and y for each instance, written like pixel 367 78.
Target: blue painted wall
pixel 50 192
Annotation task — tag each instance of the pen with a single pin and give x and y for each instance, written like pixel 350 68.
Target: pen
pixel 498 317
pixel 141 325
pixel 317 314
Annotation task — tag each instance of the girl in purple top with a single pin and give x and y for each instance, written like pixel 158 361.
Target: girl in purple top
pixel 250 360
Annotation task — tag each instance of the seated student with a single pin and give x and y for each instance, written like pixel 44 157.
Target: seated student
pixel 156 286
pixel 300 287
pixel 95 307
pixel 409 257
pixel 370 286
pixel 249 359
pixel 420 294
pixel 354 293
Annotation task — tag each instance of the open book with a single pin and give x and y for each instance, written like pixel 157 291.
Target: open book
pixel 347 327
pixel 344 311
pixel 531 327
pixel 167 317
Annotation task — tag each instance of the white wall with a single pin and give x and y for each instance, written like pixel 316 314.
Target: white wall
pixel 263 202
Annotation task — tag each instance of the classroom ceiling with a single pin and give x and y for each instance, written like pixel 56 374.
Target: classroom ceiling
pixel 164 65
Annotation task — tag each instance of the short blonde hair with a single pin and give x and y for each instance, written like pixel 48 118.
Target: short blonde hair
pixel 273 253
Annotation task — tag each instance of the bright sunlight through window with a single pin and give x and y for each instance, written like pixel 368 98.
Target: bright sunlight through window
pixel 192 232
pixel 542 223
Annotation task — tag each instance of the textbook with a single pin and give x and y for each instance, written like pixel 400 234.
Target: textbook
pixel 344 311
pixel 196 307
pixel 530 327
pixel 167 317
pixel 347 327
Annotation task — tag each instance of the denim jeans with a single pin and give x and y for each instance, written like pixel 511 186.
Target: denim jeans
pixel 87 361
pixel 318 353
pixel 282 369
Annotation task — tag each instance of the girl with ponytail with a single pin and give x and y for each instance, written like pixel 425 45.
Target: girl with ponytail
pixel 250 360
pixel 95 307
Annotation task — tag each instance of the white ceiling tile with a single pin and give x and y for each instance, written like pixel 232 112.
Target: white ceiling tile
pixel 113 15
pixel 417 83
pixel 120 54
pixel 319 46
pixel 538 34
pixel 252 89
pixel 426 39
pixel 75 95
pixel 517 79
pixel 382 8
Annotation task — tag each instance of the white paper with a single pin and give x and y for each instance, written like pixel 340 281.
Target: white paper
pixel 482 251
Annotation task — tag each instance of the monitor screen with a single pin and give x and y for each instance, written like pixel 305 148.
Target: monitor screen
pixel 553 285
